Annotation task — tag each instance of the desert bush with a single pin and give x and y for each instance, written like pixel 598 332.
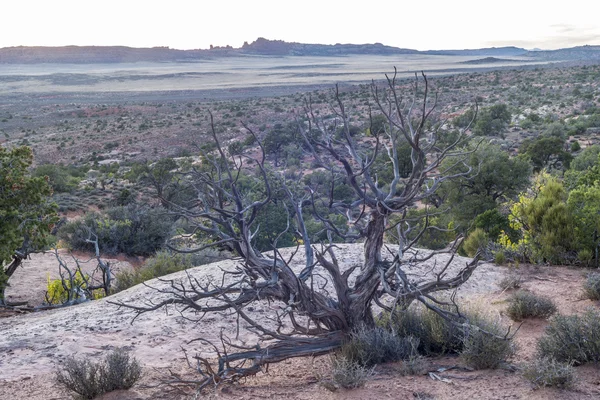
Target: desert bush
pixel 591 287
pixel 546 371
pixel 371 346
pixel 572 338
pixel 162 263
pixel 349 374
pixel 88 379
pixel 485 346
pixel 525 304
pixel 121 371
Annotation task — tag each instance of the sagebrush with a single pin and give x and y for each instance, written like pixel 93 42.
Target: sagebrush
pixel 484 345
pixel 524 304
pixel 371 346
pixel 548 372
pixel 435 335
pixel 572 338
pixel 349 374
pixel 89 379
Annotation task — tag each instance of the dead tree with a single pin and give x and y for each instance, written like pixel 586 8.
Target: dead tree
pixel 320 320
pixel 78 286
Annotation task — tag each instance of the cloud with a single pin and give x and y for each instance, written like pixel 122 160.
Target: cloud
pixel 564 28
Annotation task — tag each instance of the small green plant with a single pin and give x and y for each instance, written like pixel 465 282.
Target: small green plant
pixel 88 379
pixel 477 240
pixel 349 374
pixel 499 257
pixel 572 338
pixel 525 304
pixel 591 287
pixel 548 372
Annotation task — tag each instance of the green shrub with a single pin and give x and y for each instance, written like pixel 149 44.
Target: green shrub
pixel 525 304
pixel 591 287
pixel 132 230
pixel 371 346
pixel 89 380
pixel 349 374
pixel 163 263
pixel 572 338
pixel 546 223
pixel 551 373
pixel 477 240
pixel 59 177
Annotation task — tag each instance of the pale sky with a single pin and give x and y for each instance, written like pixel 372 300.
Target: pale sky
pixel 187 24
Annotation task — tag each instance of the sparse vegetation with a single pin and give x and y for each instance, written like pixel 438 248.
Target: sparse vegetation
pixel 113 158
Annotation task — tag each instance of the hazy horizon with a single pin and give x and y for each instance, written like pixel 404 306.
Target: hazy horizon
pixel 183 24
pixel 274 39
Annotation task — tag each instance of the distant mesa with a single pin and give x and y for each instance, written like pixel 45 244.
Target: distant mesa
pixel 265 47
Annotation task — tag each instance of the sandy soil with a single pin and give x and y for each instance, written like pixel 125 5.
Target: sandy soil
pixel 34 344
